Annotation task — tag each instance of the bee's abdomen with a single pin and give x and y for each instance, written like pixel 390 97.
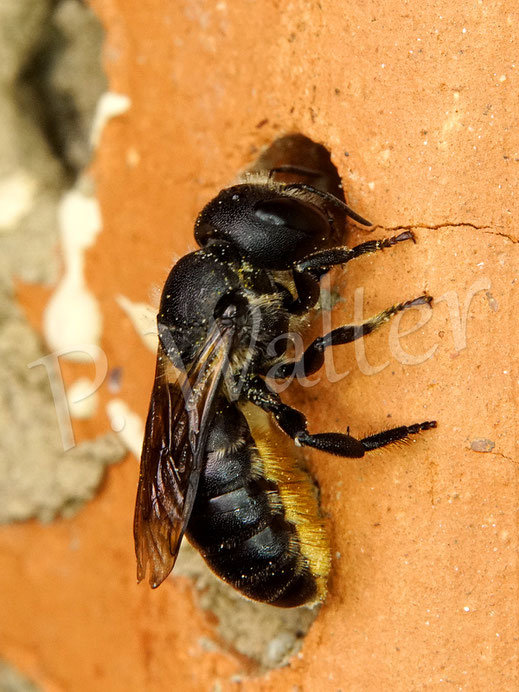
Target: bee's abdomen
pixel 253 549
pixel 238 522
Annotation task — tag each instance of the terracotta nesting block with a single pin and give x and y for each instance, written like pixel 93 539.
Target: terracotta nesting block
pixel 417 104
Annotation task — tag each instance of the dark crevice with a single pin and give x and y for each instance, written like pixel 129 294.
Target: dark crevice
pixel 54 111
pixel 49 91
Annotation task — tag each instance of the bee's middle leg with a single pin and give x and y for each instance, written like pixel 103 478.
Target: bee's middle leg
pixel 313 358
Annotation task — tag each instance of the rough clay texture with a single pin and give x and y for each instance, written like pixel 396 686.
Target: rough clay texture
pixel 38 478
pixel 418 105
pixel 44 116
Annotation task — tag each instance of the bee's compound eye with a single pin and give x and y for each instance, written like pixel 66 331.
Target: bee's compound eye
pixel 287 212
pixel 277 212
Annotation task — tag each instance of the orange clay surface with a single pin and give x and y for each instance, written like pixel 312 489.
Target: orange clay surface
pixel 418 104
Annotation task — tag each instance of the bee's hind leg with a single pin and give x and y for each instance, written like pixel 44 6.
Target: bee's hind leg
pixel 294 424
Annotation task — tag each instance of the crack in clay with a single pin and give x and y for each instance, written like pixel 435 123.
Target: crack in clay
pixel 504 235
pixel 442 226
pixel 503 456
pixel 436 227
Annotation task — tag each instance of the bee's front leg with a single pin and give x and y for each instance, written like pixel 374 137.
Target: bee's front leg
pixel 322 261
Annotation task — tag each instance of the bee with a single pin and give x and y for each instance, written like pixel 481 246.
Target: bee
pixel 218 460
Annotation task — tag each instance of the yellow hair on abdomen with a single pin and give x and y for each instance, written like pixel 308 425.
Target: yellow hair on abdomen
pixel 297 491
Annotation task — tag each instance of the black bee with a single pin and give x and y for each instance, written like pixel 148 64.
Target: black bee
pixel 215 462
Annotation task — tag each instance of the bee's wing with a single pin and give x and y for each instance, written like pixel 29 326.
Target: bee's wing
pixel 172 454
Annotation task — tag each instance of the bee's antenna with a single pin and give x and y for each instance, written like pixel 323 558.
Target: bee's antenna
pixel 330 198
